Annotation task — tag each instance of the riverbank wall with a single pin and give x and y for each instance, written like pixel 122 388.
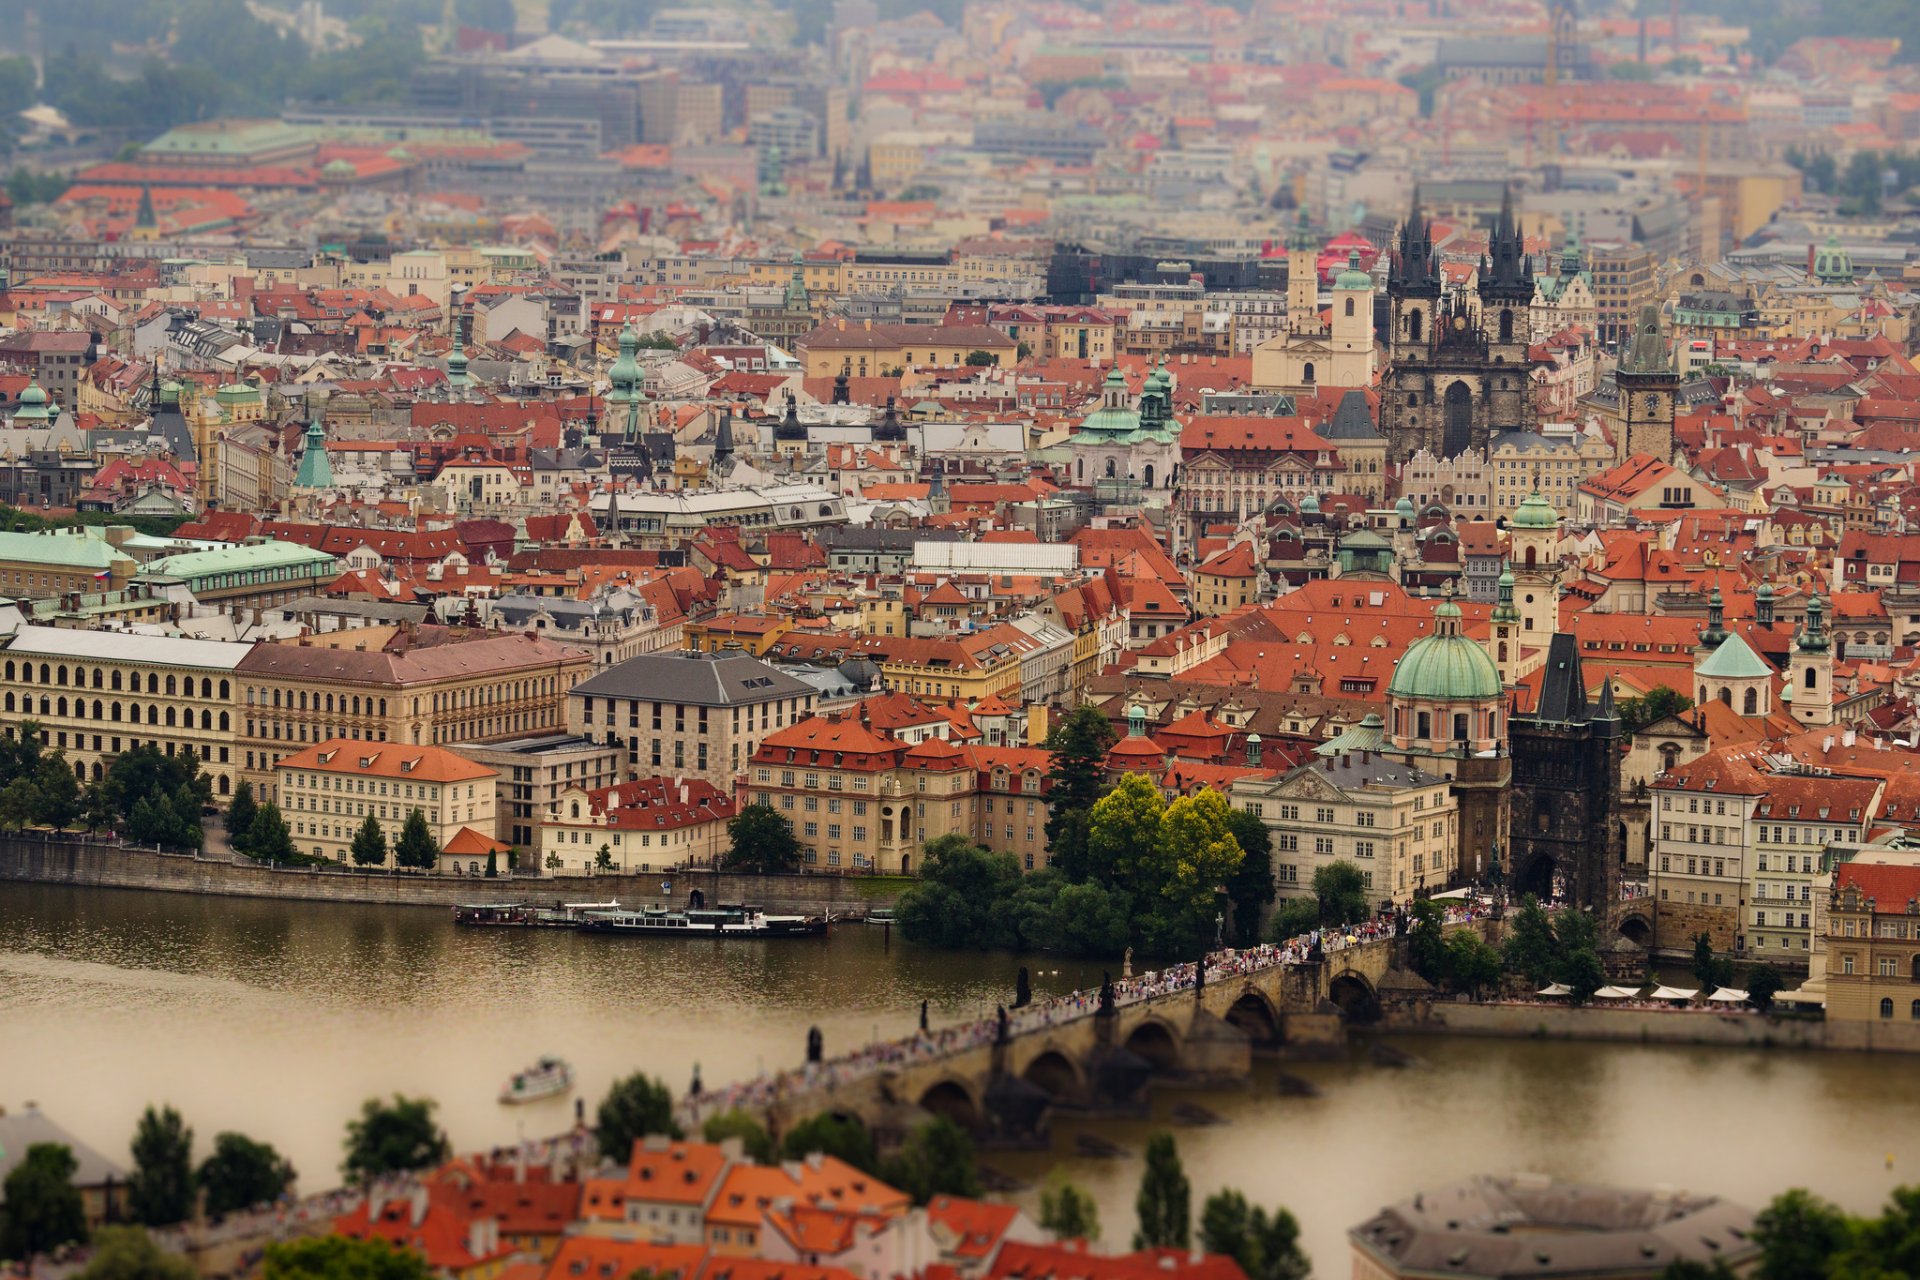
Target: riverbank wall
pixel 107 864
pixel 1649 1026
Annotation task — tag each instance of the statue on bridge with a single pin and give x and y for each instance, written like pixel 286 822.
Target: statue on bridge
pixel 1022 989
pixel 814 1045
pixel 693 1090
pixel 1126 964
pixel 923 1017
pixel 1107 1006
pixel 1000 1035
pixel 1200 973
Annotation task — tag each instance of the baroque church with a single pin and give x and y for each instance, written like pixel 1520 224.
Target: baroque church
pixel 1457 374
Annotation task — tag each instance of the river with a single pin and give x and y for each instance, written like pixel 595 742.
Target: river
pixel 278 1018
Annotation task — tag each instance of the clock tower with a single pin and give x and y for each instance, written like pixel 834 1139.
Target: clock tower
pixel 1649 386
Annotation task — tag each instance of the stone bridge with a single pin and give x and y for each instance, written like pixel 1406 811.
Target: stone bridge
pixel 1066 1054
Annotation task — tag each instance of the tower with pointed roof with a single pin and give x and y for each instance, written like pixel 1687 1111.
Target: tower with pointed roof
pixel 1810 669
pixel 790 434
pixel 458 383
pixel 626 414
pixel 1362 449
pixel 1456 375
pixel 1128 453
pixel 1533 552
pixel 316 472
pixel 1566 822
pixel 1503 631
pixel 1312 352
pixel 1649 389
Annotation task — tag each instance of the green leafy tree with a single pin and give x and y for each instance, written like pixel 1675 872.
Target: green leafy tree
pixel 1293 918
pixel 493 864
pixel 129 1253
pixel 1427 941
pixel 1341 890
pixel 754 1139
pixel 1067 1212
pixel 172 787
pixel 1164 1207
pixel 43 1208
pixel 392 1138
pixel 1763 983
pixel 1079 919
pixel 1471 965
pixel 342 1258
pixel 761 841
pixel 937 1159
pixel 1068 845
pixel 553 862
pixel 1123 831
pixel 1583 973
pixel 19 804
pixel 1884 1247
pixel 1531 949
pixel 1709 969
pixel 1267 1246
pixel 1250 888
pixel 267 836
pixel 841 1137
pixel 964 898
pixel 241 812
pixel 241 1173
pixel 1797 1233
pixel 160 1192
pixel 57 797
pixel 1077 748
pixel 633 1108
pixel 416 847
pixel 1198 853
pixel 603 858
pixel 1651 707
pixel 369 846
pixel 981 359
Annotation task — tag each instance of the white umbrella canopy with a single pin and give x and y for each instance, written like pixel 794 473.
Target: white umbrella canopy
pixel 1555 989
pixel 1616 993
pixel 1673 993
pixel 1729 995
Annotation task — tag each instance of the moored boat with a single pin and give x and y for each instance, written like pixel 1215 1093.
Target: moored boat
pixel 728 921
pixel 546 1078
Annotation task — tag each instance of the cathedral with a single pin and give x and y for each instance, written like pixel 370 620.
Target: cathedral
pixel 1457 375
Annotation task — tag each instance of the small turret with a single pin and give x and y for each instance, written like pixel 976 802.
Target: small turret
pixel 1714 634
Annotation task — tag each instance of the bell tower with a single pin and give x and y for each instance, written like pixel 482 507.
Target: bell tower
pixel 1649 386
pixel 1409 417
pixel 1810 671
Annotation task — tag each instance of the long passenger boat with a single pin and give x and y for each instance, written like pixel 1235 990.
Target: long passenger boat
pixel 525 915
pixel 735 920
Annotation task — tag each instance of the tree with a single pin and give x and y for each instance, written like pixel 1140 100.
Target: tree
pixel 1197 855
pixel 841 1137
pixel 268 838
pixel 129 1253
pixel 1341 890
pixel 936 1160
pixel 553 862
pixel 1471 965
pixel 1708 969
pixel 1250 888
pixel 1294 918
pixel 370 843
pixel 1266 1247
pixel 397 1138
pixel 1763 983
pixel 342 1258
pixel 57 800
pixel 633 1108
pixel 240 814
pixel 603 858
pixel 1655 705
pixel 416 847
pixel 493 864
pixel 43 1209
pixel 1066 1211
pixel 242 1173
pixel 1164 1205
pixel 19 804
pixel 161 796
pixel 964 898
pixel 1530 949
pixel 1884 1247
pixel 1582 972
pixel 981 359
pixel 1427 941
pixel 1077 747
pixel 1797 1233
pixel 1123 832
pixel 761 841
pixel 160 1192
pixel 755 1141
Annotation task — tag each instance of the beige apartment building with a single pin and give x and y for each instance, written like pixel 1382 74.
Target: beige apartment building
pixel 688 714
pixel 1399 825
pixel 405 684
pixel 330 788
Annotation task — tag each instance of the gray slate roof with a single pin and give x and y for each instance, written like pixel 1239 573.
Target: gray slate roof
pixel 20 1130
pixel 694 679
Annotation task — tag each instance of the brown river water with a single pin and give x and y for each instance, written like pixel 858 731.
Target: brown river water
pixel 277 1019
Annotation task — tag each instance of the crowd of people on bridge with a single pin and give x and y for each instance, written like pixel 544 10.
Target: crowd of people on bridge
pixel 930 1044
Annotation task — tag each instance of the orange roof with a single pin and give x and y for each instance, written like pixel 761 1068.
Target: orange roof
pixel 821 1180
pixel 351 756
pixel 660 1172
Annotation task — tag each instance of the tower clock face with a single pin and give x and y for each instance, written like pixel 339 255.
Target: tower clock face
pixel 1459 322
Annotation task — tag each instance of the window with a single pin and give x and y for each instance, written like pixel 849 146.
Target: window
pixel 1886 1008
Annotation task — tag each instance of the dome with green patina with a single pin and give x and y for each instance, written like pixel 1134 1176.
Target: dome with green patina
pixel 1309 506
pixel 625 374
pixel 33 405
pixel 1535 512
pixel 1404 508
pixel 1833 264
pixel 1116 416
pixel 338 169
pixel 1353 277
pixel 1445 666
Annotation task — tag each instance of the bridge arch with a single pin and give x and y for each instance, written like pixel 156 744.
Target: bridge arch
pixel 1056 1072
pixel 1636 928
pixel 954 1100
pixel 1355 996
pixel 1254 1014
pixel 1157 1042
